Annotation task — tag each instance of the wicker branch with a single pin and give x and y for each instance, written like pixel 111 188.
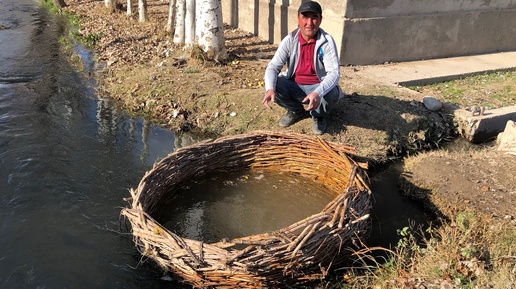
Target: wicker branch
pixel 296 253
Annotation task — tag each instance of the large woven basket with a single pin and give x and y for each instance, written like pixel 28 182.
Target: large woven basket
pixel 297 253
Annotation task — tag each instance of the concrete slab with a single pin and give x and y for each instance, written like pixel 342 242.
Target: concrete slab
pixel 476 127
pixel 439 70
pixel 482 127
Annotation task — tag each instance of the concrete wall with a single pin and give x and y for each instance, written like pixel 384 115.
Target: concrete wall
pixel 373 31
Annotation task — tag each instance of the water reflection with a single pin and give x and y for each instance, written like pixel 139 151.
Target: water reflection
pixel 66 163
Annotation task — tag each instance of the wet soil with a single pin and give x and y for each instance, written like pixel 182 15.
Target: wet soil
pixel 138 65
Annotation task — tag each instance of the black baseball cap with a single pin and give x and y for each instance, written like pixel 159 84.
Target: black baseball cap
pixel 310 6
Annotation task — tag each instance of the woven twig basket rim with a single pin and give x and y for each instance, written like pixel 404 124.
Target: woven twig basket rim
pixel 277 257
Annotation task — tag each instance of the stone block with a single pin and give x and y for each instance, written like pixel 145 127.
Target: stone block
pixel 507 139
pixel 480 125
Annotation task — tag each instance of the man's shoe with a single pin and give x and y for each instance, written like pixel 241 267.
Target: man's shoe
pixel 290 118
pixel 318 125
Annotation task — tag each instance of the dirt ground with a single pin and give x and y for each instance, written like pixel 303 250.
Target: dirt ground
pixel 138 65
pixel 473 179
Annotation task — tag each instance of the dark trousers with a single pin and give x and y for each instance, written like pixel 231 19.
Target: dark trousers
pixel 289 95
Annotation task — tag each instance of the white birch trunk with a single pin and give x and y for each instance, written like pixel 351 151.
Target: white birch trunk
pixel 142 10
pixel 170 21
pixel 129 7
pixel 179 34
pixel 190 23
pixel 198 19
pixel 111 4
pixel 211 37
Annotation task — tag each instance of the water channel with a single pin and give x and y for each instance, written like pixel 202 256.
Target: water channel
pixel 68 158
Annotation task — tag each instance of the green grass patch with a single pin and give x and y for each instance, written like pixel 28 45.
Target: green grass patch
pixel 491 90
pixel 190 70
pixel 51 7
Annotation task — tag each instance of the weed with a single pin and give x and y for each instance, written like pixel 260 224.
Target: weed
pixel 189 70
pixel 91 39
pixel 197 53
pixel 466 253
pixel 49 4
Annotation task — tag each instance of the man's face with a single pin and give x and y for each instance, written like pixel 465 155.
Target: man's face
pixel 309 23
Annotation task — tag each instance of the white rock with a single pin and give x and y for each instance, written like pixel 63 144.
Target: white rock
pixel 261 176
pixel 507 139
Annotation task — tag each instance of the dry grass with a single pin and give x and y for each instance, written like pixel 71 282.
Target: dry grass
pixel 470 252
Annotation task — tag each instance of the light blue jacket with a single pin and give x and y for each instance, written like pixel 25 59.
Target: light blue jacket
pixel 326 61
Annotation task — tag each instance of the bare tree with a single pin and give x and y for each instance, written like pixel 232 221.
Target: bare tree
pixel 199 22
pixel 129 8
pixel 198 16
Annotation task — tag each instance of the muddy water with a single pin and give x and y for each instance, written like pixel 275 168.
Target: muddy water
pixel 391 210
pixel 231 205
pixel 69 156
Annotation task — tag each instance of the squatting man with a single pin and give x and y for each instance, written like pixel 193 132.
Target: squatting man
pixel 312 73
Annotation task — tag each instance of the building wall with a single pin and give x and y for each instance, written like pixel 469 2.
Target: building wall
pixel 373 31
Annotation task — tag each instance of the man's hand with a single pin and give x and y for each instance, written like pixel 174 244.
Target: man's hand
pixel 313 100
pixel 269 96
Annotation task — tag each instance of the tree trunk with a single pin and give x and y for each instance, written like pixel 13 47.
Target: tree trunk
pixel 190 23
pixel 211 37
pixel 170 21
pixel 129 7
pixel 142 10
pixel 198 19
pixel 233 21
pixel 179 34
pixel 111 4
pixel 59 3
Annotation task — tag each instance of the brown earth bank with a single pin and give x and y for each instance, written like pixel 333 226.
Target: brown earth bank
pixel 139 66
pixel 472 179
